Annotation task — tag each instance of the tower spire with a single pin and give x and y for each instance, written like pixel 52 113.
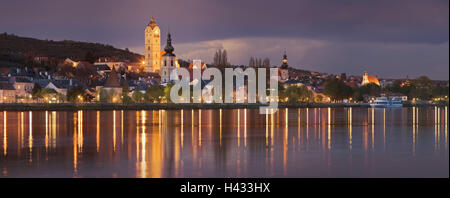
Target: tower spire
pixel 152 22
pixel 285 62
pixel 169 36
pixel 169 48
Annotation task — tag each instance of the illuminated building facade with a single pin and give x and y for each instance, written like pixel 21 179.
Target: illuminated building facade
pixel 152 47
pixel 369 79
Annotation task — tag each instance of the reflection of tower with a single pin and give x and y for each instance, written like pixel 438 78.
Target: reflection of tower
pixel 284 69
pixel 152 47
pixel 169 61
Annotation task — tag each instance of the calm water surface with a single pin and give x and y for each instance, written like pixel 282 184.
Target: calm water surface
pixel 314 142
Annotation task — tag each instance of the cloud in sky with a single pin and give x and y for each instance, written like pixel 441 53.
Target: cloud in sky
pixel 240 49
pixel 388 37
pixel 381 59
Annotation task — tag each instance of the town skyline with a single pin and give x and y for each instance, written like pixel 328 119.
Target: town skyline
pixel 235 89
pixel 389 40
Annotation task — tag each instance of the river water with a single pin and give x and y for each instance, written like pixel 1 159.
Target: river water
pixel 306 142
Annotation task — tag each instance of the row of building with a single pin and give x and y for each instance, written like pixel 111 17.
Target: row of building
pixel 16 85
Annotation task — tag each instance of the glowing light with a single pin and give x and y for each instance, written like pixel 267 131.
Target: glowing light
pixel 373 129
pixel 245 127
pixel 239 128
pixel 350 126
pixel 75 146
pixel 80 129
pixel 272 125
pixel 5 139
pixel 271 139
pixel 97 136
pixel 182 128
pixel 445 116
pixel 200 128
pixel 440 122
pixel 414 132
pixel 53 129
pixel 144 147
pixel 30 135
pixel 307 125
pixel 329 129
pixel 21 129
pixel 114 131
pixel 46 131
pixel 220 126
pixel 285 143
pixel 384 129
pixel 435 127
pixel 267 127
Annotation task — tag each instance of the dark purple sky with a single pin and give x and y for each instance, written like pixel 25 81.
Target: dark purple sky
pixel 388 38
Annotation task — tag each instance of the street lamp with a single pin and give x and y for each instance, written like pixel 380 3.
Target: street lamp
pixel 80 98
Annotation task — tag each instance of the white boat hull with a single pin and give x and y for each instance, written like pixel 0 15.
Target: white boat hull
pixel 382 102
pixel 386 106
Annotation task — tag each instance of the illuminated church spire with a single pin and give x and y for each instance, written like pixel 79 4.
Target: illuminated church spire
pixel 152 47
pixel 285 61
pixel 284 71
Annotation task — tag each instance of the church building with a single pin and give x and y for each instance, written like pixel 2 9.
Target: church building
pixel 111 91
pixel 367 79
pixel 169 61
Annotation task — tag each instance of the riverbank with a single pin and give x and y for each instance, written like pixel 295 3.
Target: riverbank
pixel 168 106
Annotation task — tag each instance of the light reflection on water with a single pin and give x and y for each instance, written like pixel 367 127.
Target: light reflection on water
pixel 307 142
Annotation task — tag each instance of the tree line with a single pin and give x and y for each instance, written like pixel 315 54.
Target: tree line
pixel 258 62
pixel 221 59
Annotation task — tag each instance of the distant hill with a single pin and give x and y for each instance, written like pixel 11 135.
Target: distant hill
pixel 15 48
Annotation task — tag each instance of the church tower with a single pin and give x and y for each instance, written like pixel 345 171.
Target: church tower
pixel 152 47
pixel 169 61
pixel 284 69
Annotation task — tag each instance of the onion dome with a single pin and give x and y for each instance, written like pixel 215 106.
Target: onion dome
pixel 169 48
pixel 285 63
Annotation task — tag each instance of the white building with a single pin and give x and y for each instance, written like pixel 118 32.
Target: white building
pixel 169 62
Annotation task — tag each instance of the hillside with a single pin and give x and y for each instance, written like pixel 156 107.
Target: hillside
pixel 15 48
